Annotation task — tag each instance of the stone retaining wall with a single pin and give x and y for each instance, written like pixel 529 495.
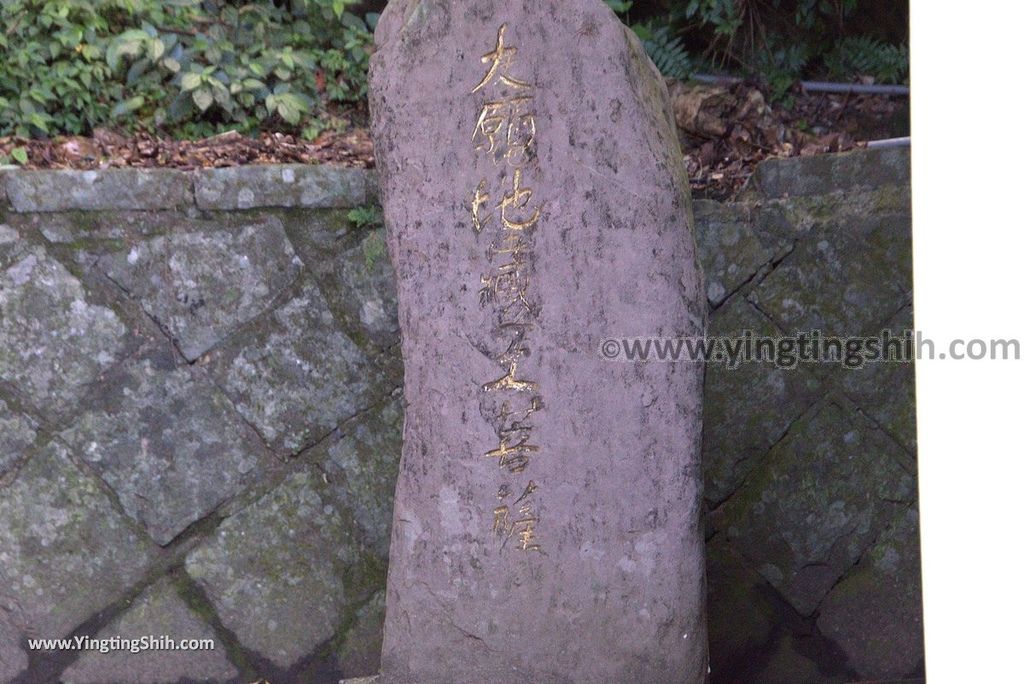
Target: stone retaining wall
pixel 200 423
pixel 810 473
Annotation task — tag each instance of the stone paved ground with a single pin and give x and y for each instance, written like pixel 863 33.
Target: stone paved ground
pixel 200 425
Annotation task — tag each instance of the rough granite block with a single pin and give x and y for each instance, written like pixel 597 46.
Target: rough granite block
pixel 824 173
pixel 360 650
pixel 17 432
pixel 875 613
pixel 352 268
pixel 168 442
pixel 741 619
pixel 284 572
pixel 730 247
pixel 298 376
pixel 53 340
pixel 363 287
pixel 12 658
pixel 282 185
pixel 12 245
pixel 200 286
pixel 885 391
pixel 846 279
pixel 125 189
pixel 787 664
pixel 365 463
pixel 65 551
pixel 157 612
pixel 824 494
pixel 749 407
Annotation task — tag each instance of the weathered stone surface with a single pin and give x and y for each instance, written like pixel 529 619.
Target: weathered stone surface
pixel 360 652
pixel 748 407
pixel 157 612
pixel 53 340
pixel 65 552
pixel 17 431
pixel 729 247
pixel 283 572
pixel 352 268
pixel 874 613
pixel 822 174
pixel 299 377
pixel 857 211
pixel 168 442
pixel 365 462
pixel 129 189
pixel 616 591
pixel 826 492
pixel 11 245
pixel 283 185
pixel 885 391
pixel 846 278
pixel 744 409
pixel 741 620
pixel 787 665
pixel 110 227
pixel 365 274
pixel 12 658
pixel 202 285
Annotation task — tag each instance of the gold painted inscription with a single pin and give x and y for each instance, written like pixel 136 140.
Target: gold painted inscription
pixel 505 211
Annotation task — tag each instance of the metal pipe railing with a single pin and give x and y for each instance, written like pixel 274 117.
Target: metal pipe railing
pixel 820 86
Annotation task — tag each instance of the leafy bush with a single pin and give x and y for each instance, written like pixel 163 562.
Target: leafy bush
pixel 186 67
pixel 776 41
pixel 192 68
pixel 862 56
pixel 665 50
pixel 367 216
pixel 779 66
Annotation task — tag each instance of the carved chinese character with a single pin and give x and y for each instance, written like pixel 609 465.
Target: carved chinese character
pixel 505 129
pixel 501 521
pixel 488 126
pixel 480 197
pixel 530 489
pixel 509 281
pixel 510 242
pixel 514 457
pixel 509 381
pixel 527 535
pixel 500 60
pixel 510 421
pixel 507 524
pixel 517 200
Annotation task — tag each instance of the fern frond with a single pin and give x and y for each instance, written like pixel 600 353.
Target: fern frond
pixel 667 53
pixel 862 56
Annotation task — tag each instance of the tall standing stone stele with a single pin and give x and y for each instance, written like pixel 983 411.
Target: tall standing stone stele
pixel 547 513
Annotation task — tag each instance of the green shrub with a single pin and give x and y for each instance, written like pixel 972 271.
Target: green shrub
pixel 192 68
pixel 775 41
pixel 862 56
pixel 665 50
pixel 366 216
pixel 183 67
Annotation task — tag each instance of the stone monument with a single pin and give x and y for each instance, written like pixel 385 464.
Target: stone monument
pixel 547 514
